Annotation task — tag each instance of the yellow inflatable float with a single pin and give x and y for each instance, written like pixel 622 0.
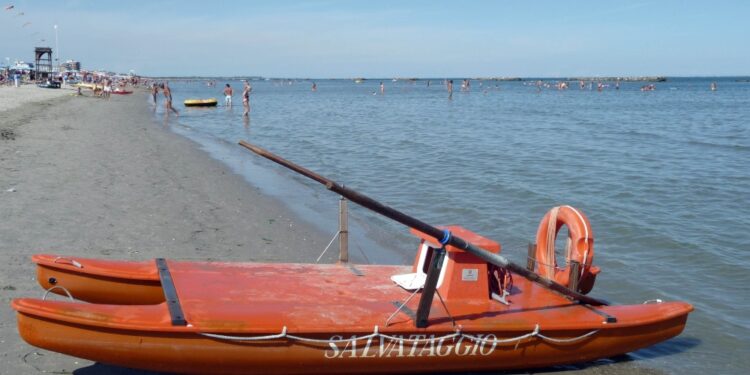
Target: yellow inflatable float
pixel 201 102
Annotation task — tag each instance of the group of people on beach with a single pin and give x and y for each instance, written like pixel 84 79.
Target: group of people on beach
pixel 167 92
pixel 228 94
pixel 8 78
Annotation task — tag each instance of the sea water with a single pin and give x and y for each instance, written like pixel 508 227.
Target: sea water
pixel 663 175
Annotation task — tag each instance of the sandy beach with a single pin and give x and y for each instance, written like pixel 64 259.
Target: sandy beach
pixel 88 177
pixel 14 97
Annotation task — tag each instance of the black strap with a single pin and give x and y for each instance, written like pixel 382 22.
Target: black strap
pixel 170 293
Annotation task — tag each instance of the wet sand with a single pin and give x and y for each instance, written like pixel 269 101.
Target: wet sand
pixel 87 177
pixel 93 178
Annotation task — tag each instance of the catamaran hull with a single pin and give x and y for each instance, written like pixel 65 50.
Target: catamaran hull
pixel 191 353
pixel 246 318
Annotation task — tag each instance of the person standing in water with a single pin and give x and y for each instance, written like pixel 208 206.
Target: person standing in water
pixel 450 89
pixel 246 98
pixel 382 88
pixel 228 95
pixel 154 91
pixel 168 99
pixel 314 87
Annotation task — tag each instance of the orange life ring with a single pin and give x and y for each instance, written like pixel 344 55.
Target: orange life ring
pixel 580 247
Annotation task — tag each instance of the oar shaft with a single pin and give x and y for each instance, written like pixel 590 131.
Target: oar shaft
pixel 421 226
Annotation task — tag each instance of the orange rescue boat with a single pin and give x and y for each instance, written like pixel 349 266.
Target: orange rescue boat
pixel 256 318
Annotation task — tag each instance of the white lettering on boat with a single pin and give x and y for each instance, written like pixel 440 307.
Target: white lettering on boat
pixel 410 346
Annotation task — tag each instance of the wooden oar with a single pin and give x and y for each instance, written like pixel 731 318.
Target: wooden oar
pixel 423 227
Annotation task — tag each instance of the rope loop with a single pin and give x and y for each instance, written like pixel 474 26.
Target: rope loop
pixel 47 292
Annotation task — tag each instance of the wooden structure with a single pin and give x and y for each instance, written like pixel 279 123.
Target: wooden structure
pixel 42 63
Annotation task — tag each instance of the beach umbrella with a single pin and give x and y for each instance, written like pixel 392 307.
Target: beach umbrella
pixel 9 7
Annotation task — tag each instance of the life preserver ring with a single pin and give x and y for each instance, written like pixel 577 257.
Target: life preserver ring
pixel 580 247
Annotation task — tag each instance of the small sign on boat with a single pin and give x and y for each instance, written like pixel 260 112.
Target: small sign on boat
pixel 470 274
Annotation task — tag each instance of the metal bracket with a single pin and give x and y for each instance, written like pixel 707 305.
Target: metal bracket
pixel 430 286
pixel 607 318
pixel 170 293
pixel 501 298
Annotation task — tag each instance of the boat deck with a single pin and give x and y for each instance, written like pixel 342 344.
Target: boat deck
pixel 256 298
pixel 316 298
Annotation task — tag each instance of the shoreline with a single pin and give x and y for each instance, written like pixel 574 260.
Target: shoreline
pixel 87 177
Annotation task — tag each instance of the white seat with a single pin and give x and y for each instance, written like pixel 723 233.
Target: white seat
pixel 410 281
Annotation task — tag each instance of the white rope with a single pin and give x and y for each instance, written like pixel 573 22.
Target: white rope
pixel 376 334
pixel 478 340
pixel 566 341
pixel 46 292
pixel 329 245
pixel 246 338
pixel 547 264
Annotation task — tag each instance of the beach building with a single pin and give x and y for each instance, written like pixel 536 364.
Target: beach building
pixel 70 65
pixel 22 66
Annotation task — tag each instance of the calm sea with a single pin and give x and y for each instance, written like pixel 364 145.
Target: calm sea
pixel 664 177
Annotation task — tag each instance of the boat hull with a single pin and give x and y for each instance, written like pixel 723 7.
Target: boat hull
pixel 191 353
pixel 247 318
pixel 98 281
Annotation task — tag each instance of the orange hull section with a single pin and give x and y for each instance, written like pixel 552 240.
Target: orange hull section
pixel 192 354
pixel 100 281
pixel 132 327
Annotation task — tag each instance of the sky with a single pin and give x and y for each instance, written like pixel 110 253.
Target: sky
pixel 386 38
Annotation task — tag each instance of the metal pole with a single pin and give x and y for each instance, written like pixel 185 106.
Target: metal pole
pixel 57 52
pixel 343 231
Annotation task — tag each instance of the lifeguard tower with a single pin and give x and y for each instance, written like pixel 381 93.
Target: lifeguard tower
pixel 43 63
